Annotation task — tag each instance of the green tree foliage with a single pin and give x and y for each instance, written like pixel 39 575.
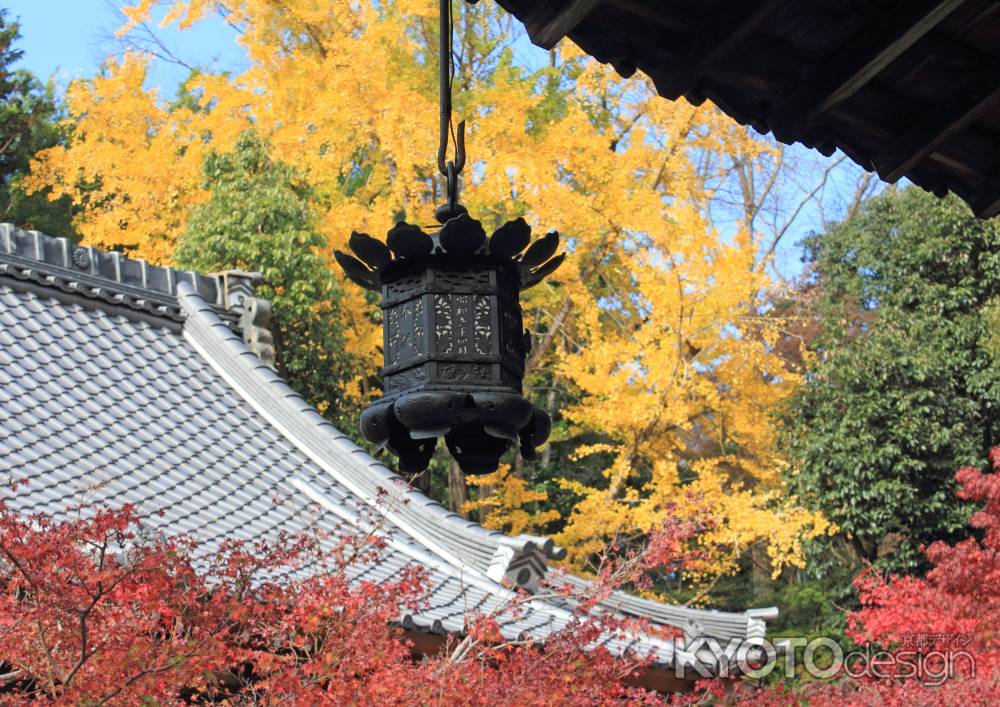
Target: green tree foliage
pixel 901 389
pixel 28 114
pixel 260 216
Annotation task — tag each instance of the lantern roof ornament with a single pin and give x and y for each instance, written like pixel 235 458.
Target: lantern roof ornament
pixel 378 262
pixel 454 342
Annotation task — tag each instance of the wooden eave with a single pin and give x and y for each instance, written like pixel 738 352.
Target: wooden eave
pixel 906 88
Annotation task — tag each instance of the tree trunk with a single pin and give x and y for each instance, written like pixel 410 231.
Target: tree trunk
pixel 760 570
pixel 422 481
pixel 517 468
pixel 863 550
pixel 550 407
pixel 458 492
pixel 485 493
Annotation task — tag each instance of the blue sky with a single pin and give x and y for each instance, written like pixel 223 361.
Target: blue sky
pixel 68 39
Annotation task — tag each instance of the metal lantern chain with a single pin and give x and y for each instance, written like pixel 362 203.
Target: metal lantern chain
pixel 454 343
pixel 450 169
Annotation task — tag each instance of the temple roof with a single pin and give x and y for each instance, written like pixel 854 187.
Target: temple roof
pixel 123 382
pixel 908 88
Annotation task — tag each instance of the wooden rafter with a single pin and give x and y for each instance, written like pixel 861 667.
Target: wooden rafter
pixel 896 84
pixel 985 202
pixel 681 74
pixel 859 62
pixel 967 103
pixel 650 13
pixel 552 20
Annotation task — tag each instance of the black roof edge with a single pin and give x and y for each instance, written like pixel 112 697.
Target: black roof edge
pixel 112 281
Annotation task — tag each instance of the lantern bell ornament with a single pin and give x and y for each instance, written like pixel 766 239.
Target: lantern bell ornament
pixel 454 341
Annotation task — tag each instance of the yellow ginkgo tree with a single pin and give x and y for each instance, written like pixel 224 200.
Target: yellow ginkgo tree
pixel 652 324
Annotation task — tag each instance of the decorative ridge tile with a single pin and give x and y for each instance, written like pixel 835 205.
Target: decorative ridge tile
pixel 99 275
pixel 110 278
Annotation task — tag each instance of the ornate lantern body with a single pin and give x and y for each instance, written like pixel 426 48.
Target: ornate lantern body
pixel 454 341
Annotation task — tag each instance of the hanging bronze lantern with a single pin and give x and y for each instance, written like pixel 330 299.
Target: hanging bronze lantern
pixel 454 342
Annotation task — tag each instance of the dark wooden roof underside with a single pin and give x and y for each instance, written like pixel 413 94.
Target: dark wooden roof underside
pixel 908 88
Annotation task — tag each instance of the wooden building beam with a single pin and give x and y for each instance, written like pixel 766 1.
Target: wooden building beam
pixel 985 202
pixel 651 13
pixel 680 74
pixel 966 104
pixel 859 61
pixel 552 20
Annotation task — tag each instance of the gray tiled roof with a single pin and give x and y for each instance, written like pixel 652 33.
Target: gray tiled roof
pixel 115 392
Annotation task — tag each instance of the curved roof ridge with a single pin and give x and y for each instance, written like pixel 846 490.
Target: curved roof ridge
pixel 693 621
pixel 105 276
pixel 666 650
pixel 465 543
